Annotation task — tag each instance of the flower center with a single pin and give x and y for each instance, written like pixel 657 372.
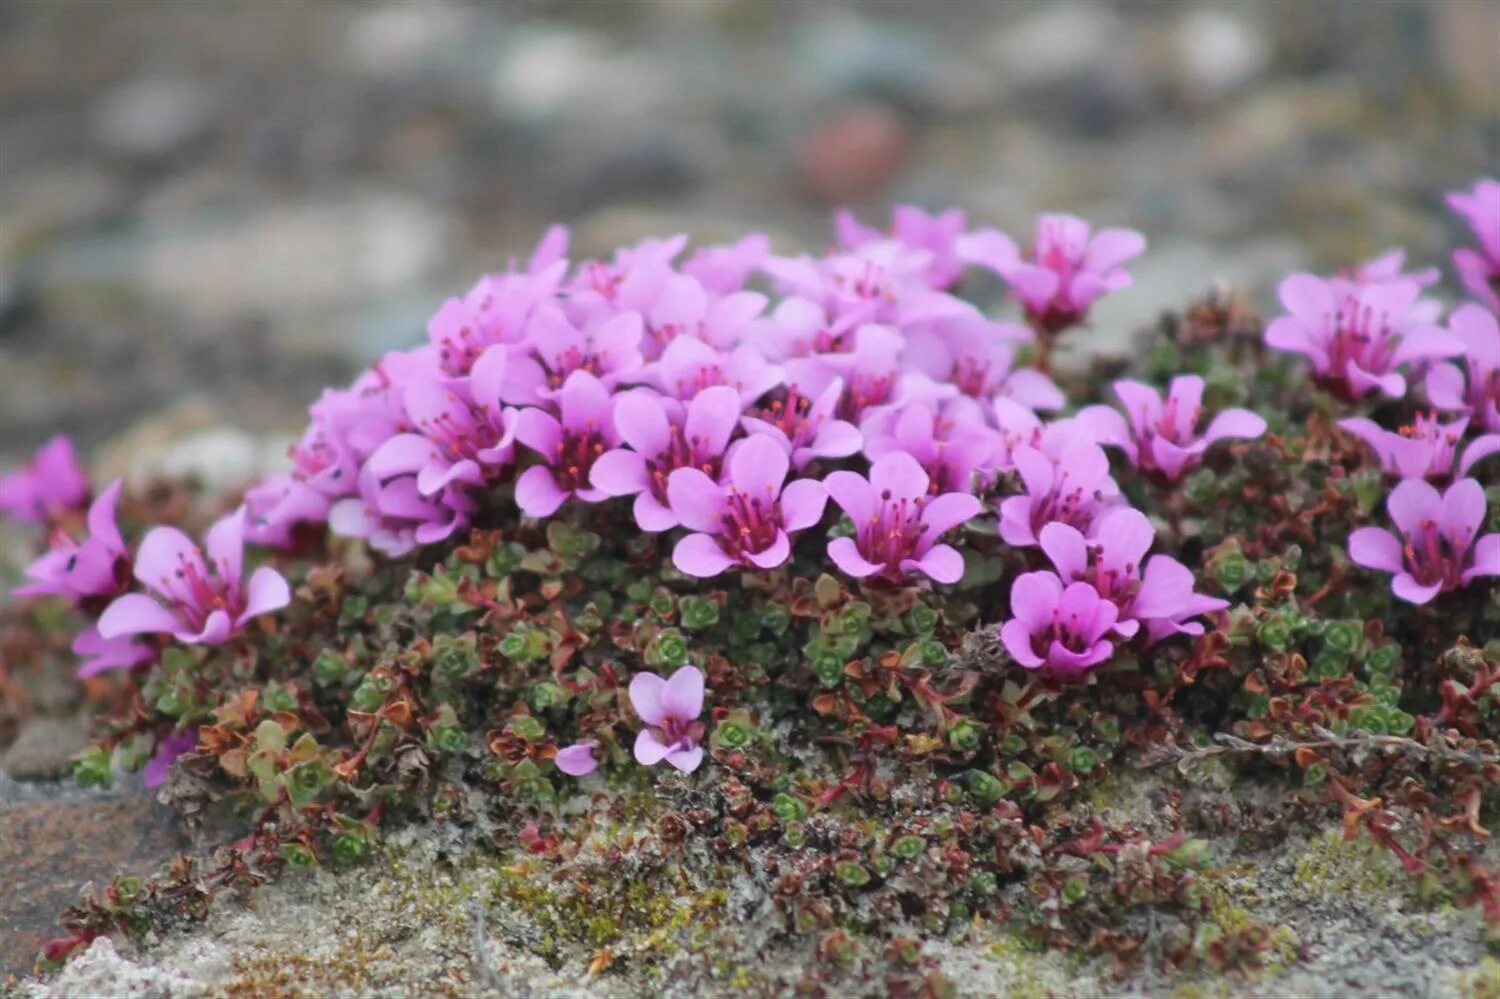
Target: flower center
pixel 749 524
pixel 575 456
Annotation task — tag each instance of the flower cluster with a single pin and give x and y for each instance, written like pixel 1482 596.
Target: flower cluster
pixel 1365 332
pixel 721 410
pixel 729 394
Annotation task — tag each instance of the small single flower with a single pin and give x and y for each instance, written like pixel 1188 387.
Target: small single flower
pixel 458 441
pixel 51 484
pixel 1473 389
pixel 97 566
pixel 956 455
pixel 1070 485
pixel 688 366
pixel 1158 435
pixel 196 601
pixel 670 709
pixel 1357 338
pixel 394 516
pixel 578 759
pixel 747 519
pixel 972 364
pixel 1434 548
pixel 168 751
pixel 276 505
pixel 1388 267
pixel 1064 629
pixel 1158 593
pixel 807 426
pixel 1424 448
pixel 608 347
pixel 936 234
pixel 723 270
pixel 1065 270
pixel 664 435
pixel 496 309
pixel 100 654
pixel 1479 267
pixel 869 368
pixel 568 443
pixel 896 522
pixel 685 308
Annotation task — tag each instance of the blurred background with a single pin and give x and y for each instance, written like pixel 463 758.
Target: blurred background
pixel 208 211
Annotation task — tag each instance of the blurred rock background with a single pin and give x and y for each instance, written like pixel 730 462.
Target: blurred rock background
pixel 209 211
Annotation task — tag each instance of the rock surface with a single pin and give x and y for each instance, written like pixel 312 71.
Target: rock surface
pixel 423 916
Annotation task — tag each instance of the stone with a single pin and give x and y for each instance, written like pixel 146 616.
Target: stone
pixel 292 257
pixel 1219 50
pixel 153 116
pixel 1057 41
pixel 44 748
pixel 51 846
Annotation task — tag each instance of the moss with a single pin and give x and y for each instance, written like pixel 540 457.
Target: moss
pixel 1021 958
pixel 1481 981
pixel 1332 865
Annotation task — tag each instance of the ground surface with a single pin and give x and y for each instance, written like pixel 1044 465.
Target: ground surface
pixel 422 915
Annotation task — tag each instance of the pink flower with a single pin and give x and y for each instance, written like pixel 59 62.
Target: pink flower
pixel 1357 338
pixel 1161 597
pixel 197 601
pixel 868 371
pixel 1070 485
pixel 459 439
pixel 747 519
pixel 1479 268
pixel 277 504
pixel 52 483
pixel 807 427
pixel 973 364
pixel 957 456
pixel 1062 628
pixel 685 308
pixel 394 516
pixel 1158 435
pixel 664 435
pixel 97 566
pixel 1387 267
pixel 578 759
pixel 1475 388
pixel 937 235
pixel 1435 549
pixel 725 269
pixel 896 522
pixel 496 309
pixel 1065 270
pixel 168 750
pixel 688 366
pixel 879 282
pixel 608 346
pixel 100 653
pixel 569 444
pixel 1424 449
pixel 670 709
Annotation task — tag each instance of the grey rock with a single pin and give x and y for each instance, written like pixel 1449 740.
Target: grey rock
pixel 153 116
pixel 44 748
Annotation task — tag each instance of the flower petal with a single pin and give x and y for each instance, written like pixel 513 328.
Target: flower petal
pixel 700 555
pixel 682 696
pixel 645 696
pixel 136 614
pixel 1375 548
